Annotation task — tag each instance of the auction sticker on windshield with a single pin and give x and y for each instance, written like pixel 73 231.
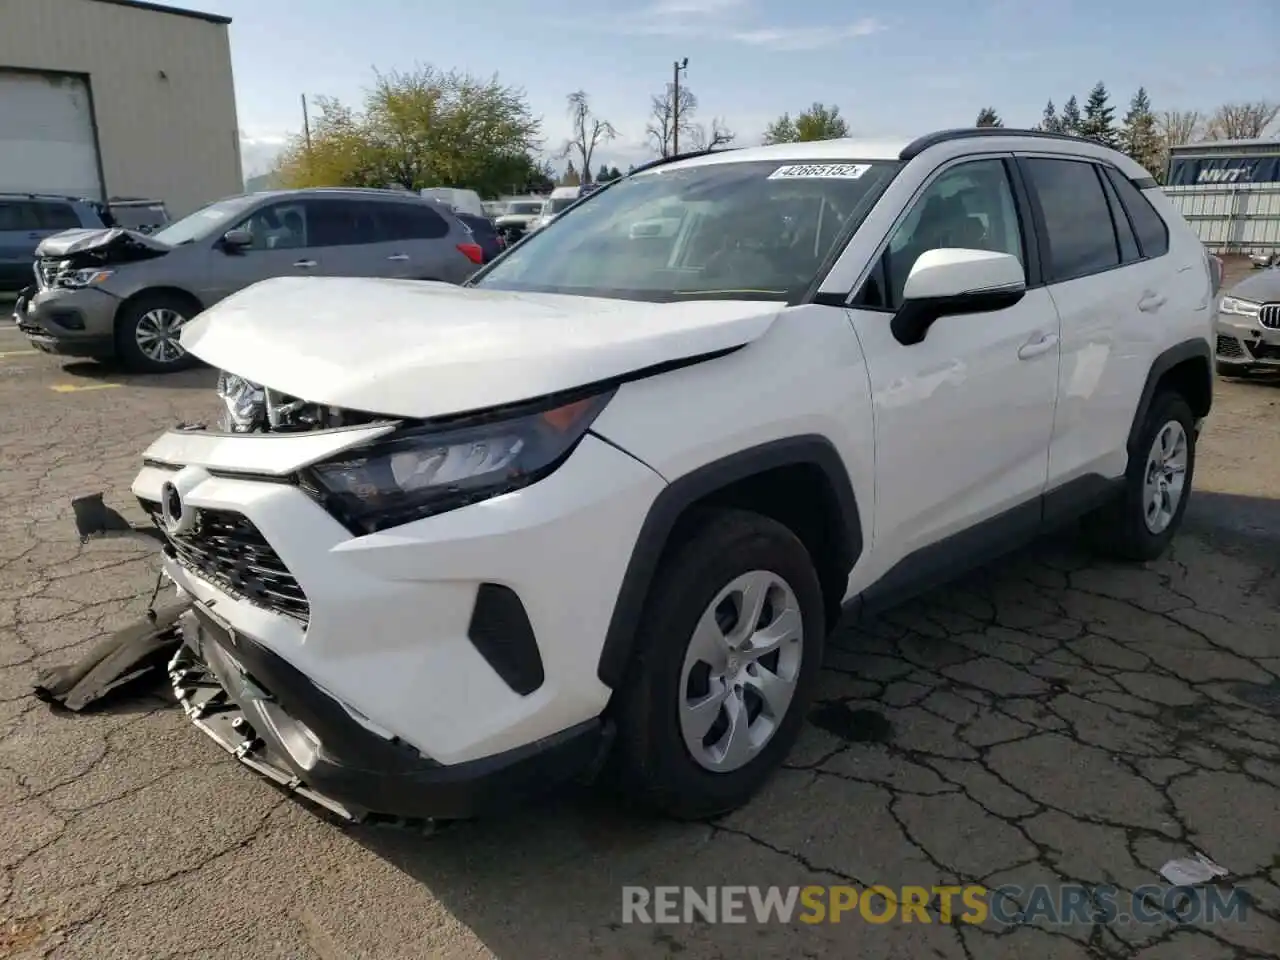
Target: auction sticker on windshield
pixel 820 171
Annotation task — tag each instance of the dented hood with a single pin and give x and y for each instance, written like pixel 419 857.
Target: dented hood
pixel 416 349
pixel 70 242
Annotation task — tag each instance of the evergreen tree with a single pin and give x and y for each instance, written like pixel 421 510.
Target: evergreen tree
pixel 571 176
pixel 1050 122
pixel 987 117
pixel 602 175
pixel 1140 138
pixel 1071 120
pixel 614 173
pixel 1099 117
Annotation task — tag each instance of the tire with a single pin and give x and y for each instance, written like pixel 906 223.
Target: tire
pixel 1121 529
pixel 155 309
pixel 651 762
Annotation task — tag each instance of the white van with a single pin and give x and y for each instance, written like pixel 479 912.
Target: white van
pixel 463 201
pixel 554 205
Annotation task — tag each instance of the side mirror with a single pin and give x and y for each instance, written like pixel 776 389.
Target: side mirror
pixel 233 241
pixel 952 281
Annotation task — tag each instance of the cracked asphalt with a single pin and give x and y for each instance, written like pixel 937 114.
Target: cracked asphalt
pixel 1045 720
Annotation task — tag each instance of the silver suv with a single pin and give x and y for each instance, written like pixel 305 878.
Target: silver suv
pixel 116 293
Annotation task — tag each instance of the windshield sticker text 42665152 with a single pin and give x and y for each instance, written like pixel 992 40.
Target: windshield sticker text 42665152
pixel 820 171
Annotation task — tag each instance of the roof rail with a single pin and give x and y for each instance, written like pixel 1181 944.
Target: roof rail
pixel 921 144
pixel 663 161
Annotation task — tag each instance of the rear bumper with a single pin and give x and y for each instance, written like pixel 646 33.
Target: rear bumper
pixel 275 720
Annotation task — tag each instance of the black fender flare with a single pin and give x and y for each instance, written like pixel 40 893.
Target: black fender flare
pixel 1197 349
pixel 666 510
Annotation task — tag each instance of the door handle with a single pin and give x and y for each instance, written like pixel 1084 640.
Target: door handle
pixel 399 257
pixel 1150 302
pixel 305 264
pixel 1037 347
pixel 34 236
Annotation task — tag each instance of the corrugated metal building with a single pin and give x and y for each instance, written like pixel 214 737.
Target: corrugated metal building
pixel 120 98
pixel 1229 191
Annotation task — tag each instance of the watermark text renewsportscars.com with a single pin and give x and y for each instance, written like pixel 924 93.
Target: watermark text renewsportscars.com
pixel 972 904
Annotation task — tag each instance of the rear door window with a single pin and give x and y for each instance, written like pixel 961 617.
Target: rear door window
pixel 1077 220
pixel 57 216
pixel 335 222
pixel 18 215
pixel 412 221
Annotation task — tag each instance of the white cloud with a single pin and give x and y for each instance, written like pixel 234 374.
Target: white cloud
pixel 259 150
pixel 806 38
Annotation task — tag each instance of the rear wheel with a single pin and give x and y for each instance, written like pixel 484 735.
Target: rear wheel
pixel 1142 520
pixel 730 645
pixel 147 333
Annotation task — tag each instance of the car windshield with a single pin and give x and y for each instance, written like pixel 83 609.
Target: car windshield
pixel 138 216
pixel 205 222
pixel 728 230
pixel 528 208
pixel 555 206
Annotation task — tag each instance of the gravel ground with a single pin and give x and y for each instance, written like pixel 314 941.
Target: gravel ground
pixel 1046 720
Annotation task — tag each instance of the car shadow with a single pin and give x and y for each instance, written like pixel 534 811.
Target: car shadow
pixel 547 881
pixel 200 377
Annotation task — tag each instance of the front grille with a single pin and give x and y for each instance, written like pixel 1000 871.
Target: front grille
pixel 226 549
pixel 1269 316
pixel 1229 347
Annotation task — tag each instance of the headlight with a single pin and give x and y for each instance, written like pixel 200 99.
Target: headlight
pixel 1239 308
pixel 426 470
pixel 75 279
pixel 244 404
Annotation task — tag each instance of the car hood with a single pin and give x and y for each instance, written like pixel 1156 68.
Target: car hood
pixel 1262 287
pixel 100 241
pixel 409 348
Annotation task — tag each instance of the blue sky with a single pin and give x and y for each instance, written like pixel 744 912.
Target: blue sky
pixel 893 68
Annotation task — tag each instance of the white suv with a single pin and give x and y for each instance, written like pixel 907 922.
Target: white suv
pixel 596 511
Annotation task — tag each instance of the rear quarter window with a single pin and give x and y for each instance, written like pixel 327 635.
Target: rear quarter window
pixel 412 221
pixel 1152 231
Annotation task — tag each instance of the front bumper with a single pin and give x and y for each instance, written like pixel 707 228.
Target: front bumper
pixel 277 722
pixel 73 323
pixel 386 625
pixel 1246 342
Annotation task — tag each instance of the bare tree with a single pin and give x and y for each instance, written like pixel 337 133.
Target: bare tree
pixel 661 129
pixel 589 131
pixel 1177 127
pixel 1242 121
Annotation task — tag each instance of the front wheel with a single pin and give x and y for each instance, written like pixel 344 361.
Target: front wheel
pixel 148 330
pixel 729 648
pixel 1142 520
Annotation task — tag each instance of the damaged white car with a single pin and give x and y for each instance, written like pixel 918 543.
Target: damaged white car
pixel 597 510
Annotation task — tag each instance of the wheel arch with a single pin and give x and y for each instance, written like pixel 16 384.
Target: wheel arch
pixel 800 481
pixel 1186 367
pixel 166 291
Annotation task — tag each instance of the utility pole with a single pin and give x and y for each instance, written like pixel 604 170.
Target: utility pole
pixel 306 123
pixel 677 66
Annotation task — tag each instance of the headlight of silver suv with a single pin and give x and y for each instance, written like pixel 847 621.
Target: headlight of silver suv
pixel 424 470
pixel 79 279
pixel 1236 307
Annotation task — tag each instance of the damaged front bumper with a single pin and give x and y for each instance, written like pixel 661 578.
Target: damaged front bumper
pixel 277 722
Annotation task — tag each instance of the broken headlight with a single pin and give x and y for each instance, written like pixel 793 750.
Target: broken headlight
pixel 429 469
pixel 79 279
pixel 244 404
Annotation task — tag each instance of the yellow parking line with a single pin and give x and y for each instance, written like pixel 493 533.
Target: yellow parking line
pixel 76 388
pixel 18 353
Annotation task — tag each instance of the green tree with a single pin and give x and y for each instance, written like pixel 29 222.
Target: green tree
pixel 1140 136
pixel 1099 117
pixel 419 129
pixel 987 117
pixel 1051 122
pixel 1071 120
pixel 819 122
pixel 602 175
pixel 615 173
pixel 571 177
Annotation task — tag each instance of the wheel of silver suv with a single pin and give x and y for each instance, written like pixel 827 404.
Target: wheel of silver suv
pixel 148 333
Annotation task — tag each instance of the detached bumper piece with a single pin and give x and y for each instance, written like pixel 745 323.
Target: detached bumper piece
pixel 275 721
